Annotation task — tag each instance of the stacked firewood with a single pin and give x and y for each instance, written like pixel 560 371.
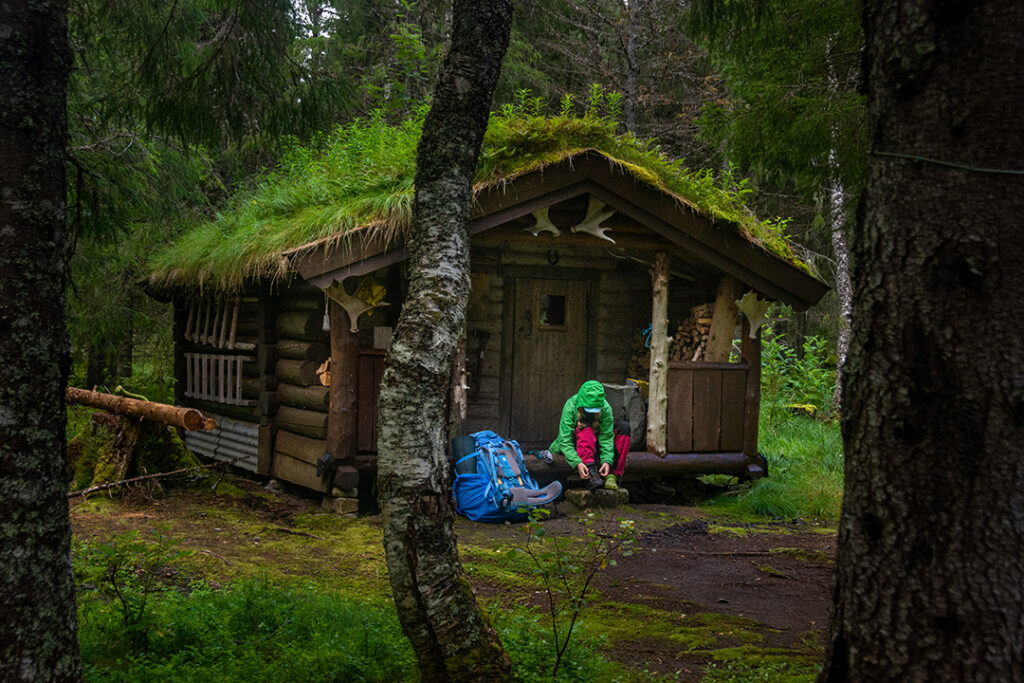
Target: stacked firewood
pixel 691 336
pixel 688 342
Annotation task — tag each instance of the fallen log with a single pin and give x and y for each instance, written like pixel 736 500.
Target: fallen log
pixel 186 418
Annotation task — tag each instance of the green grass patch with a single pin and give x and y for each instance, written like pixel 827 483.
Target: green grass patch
pixel 253 631
pixel 146 612
pixel 805 474
pixel 774 672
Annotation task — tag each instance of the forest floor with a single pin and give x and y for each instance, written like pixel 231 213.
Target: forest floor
pixel 700 596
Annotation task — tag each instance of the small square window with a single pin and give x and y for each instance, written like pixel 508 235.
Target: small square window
pixel 552 310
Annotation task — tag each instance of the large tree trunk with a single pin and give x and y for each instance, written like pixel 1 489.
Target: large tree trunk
pixel 436 606
pixel 930 569
pixel 37 599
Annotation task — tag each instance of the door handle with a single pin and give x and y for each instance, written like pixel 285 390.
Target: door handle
pixel 527 328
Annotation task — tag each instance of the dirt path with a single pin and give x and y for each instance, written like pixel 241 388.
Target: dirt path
pixel 698 592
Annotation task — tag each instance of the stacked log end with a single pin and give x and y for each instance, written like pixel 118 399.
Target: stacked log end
pixel 689 341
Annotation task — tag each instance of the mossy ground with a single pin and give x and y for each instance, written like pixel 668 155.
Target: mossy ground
pixel 638 613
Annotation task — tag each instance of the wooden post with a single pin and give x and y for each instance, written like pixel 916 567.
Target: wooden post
pixel 751 351
pixel 657 398
pixel 341 422
pixel 184 312
pixel 266 363
pixel 266 356
pixel 723 322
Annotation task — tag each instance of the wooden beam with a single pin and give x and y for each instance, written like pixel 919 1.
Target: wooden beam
pixel 657 398
pixel 723 321
pixel 308 398
pixel 341 421
pixel 300 447
pixel 301 373
pixel 266 355
pixel 729 253
pixel 264 449
pixel 751 351
pixel 304 325
pixel 303 350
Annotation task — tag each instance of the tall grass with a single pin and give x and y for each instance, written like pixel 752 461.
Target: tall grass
pixel 361 175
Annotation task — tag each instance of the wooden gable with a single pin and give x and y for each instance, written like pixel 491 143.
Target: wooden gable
pixel 693 237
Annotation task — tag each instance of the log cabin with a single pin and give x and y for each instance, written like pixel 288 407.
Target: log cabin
pixel 573 260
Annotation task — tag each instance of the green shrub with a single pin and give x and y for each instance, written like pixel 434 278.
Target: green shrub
pixel 526 636
pixel 791 378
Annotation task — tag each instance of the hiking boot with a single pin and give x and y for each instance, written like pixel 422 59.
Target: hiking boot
pixel 595 480
pixel 610 482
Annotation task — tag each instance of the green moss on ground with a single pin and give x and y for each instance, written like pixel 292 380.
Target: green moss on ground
pixel 626 622
pixel 803 554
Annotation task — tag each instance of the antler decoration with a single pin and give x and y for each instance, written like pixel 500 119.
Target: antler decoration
pixel 543 223
pixel 352 304
pixel 754 309
pixel 591 223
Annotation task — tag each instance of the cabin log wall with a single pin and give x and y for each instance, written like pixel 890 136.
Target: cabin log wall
pixel 484 336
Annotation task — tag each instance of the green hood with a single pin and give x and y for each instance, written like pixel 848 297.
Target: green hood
pixel 591 395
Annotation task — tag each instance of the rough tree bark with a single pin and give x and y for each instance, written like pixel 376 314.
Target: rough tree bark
pixel 439 614
pixel 38 630
pixel 930 569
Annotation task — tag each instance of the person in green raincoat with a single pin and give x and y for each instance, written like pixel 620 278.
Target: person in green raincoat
pixel 590 440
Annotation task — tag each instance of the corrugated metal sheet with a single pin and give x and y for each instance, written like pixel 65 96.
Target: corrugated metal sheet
pixel 231 441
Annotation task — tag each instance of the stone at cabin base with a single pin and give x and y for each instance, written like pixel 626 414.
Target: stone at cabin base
pixel 602 498
pixel 340 505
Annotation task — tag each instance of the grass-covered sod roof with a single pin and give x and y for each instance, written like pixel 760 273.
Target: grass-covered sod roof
pixel 361 176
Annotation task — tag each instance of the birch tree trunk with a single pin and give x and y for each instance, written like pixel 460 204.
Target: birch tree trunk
pixel 930 567
pixel 836 219
pixel 657 394
pixel 439 614
pixel 37 600
pixel 836 225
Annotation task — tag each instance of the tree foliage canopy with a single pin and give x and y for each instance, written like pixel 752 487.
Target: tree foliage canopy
pixel 789 100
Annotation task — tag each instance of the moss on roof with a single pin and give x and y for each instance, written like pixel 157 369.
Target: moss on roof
pixel 360 176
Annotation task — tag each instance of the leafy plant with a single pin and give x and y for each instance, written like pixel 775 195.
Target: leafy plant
pixel 128 568
pixel 565 567
pixel 250 631
pixel 789 378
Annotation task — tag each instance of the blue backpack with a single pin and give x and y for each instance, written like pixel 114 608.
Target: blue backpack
pixel 498 488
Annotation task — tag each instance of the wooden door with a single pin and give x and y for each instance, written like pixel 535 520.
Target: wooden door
pixel 549 355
